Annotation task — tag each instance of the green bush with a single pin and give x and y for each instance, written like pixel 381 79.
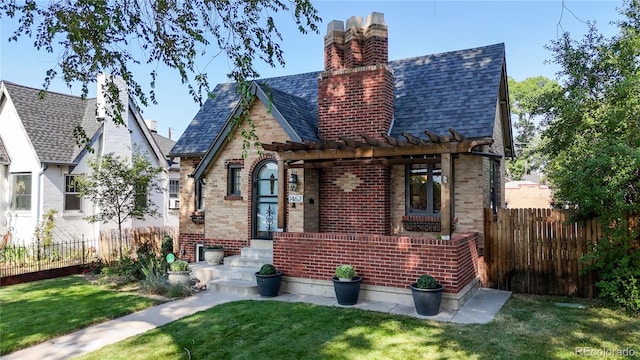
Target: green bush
pixel 268 269
pixel 178 290
pixel 179 265
pixel 426 282
pixel 617 263
pixel 345 272
pixel 167 245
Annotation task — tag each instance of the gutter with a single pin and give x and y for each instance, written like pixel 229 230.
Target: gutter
pixel 39 206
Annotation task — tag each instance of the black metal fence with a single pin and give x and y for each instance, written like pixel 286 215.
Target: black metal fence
pixel 21 259
pixel 18 259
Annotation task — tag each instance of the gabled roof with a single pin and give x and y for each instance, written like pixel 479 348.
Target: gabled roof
pixel 49 122
pixel 4 157
pixel 165 144
pixel 458 89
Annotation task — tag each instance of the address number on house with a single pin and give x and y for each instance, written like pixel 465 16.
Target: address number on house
pixel 295 199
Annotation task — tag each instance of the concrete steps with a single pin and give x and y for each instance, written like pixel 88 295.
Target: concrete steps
pixel 237 274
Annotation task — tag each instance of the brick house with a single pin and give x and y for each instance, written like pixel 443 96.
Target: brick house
pixel 387 166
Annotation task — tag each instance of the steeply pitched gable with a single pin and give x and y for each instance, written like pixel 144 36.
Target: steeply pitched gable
pixel 49 122
pixel 4 157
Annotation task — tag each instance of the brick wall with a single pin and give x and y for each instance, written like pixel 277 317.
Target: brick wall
pixel 187 196
pixel 355 200
pixel 380 260
pixel 188 243
pixel 355 101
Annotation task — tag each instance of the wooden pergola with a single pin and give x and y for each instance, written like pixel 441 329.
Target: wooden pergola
pixel 371 151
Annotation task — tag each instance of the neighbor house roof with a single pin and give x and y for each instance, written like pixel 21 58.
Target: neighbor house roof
pixel 165 144
pixel 4 157
pixel 49 122
pixel 456 89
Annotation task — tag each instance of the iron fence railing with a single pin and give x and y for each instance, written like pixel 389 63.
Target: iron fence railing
pixel 21 259
pixel 17 259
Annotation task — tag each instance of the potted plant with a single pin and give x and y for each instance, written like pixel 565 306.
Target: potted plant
pixel 427 295
pixel 179 272
pixel 213 254
pixel 346 285
pixel 269 280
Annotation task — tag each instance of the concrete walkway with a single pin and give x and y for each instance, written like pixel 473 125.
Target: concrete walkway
pixel 480 309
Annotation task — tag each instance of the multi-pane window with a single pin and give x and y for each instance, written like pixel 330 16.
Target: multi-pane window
pixel 494 182
pixel 71 194
pixel 174 188
pixel 424 189
pixel 21 192
pixel 141 196
pixel 200 194
pixel 234 180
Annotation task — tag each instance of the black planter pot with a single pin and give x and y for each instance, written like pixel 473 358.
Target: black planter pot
pixel 269 285
pixel 427 301
pixel 347 291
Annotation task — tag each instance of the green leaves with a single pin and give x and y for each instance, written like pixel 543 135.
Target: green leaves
pixel 114 37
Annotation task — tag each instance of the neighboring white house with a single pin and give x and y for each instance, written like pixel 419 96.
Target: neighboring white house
pixel 39 158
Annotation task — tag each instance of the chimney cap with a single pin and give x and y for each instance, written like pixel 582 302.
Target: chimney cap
pixel 355 22
pixel 375 18
pixel 335 25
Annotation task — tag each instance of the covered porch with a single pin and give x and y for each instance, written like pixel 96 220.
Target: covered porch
pixel 388 263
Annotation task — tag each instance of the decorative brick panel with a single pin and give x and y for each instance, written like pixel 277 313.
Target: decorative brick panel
pixel 390 261
pixel 355 199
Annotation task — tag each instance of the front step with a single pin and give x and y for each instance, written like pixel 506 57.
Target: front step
pixel 223 272
pixel 237 275
pixel 237 287
pixel 240 261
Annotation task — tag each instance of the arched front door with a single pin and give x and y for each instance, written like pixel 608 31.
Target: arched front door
pixel 265 201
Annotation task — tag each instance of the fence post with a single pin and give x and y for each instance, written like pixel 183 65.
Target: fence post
pixel 83 251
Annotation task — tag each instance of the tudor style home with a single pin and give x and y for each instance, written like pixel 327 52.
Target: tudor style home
pixel 39 159
pixel 385 165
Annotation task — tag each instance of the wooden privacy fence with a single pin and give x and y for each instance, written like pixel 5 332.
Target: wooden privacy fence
pixel 109 246
pixel 537 251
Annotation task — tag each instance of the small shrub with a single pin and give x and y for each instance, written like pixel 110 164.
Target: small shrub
pixel 345 272
pixel 179 265
pixel 426 282
pixel 167 245
pixel 268 269
pixel 178 290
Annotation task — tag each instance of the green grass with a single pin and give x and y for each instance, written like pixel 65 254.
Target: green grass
pixel 529 327
pixel 34 312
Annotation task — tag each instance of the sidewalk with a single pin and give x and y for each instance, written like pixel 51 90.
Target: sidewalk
pixel 480 309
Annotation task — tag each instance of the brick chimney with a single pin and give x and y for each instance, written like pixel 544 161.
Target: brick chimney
pixel 355 91
pixel 355 95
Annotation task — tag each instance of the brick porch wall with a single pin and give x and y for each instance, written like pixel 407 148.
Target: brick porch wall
pixel 389 261
pixel 188 242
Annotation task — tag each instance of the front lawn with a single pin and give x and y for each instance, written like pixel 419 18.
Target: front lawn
pixel 33 312
pixel 530 327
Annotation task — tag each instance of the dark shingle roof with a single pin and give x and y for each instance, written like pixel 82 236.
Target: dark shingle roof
pixel 49 122
pixel 165 144
pixel 456 89
pixel 4 157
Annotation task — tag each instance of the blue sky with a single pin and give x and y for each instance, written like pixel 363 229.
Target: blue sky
pixel 415 28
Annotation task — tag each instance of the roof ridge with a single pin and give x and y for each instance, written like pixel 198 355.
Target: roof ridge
pixel 446 52
pixel 47 91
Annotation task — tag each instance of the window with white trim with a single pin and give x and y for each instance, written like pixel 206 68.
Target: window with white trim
pixel 21 185
pixel 71 194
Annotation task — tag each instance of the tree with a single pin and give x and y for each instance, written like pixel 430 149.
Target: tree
pixel 184 35
pixel 524 97
pixel 120 188
pixel 594 149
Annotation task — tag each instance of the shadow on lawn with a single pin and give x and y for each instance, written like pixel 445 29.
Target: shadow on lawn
pixel 527 327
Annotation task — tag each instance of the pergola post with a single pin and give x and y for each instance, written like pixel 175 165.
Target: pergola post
pixel 446 195
pixel 282 190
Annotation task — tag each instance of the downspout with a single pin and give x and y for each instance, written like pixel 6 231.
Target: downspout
pixel 39 189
